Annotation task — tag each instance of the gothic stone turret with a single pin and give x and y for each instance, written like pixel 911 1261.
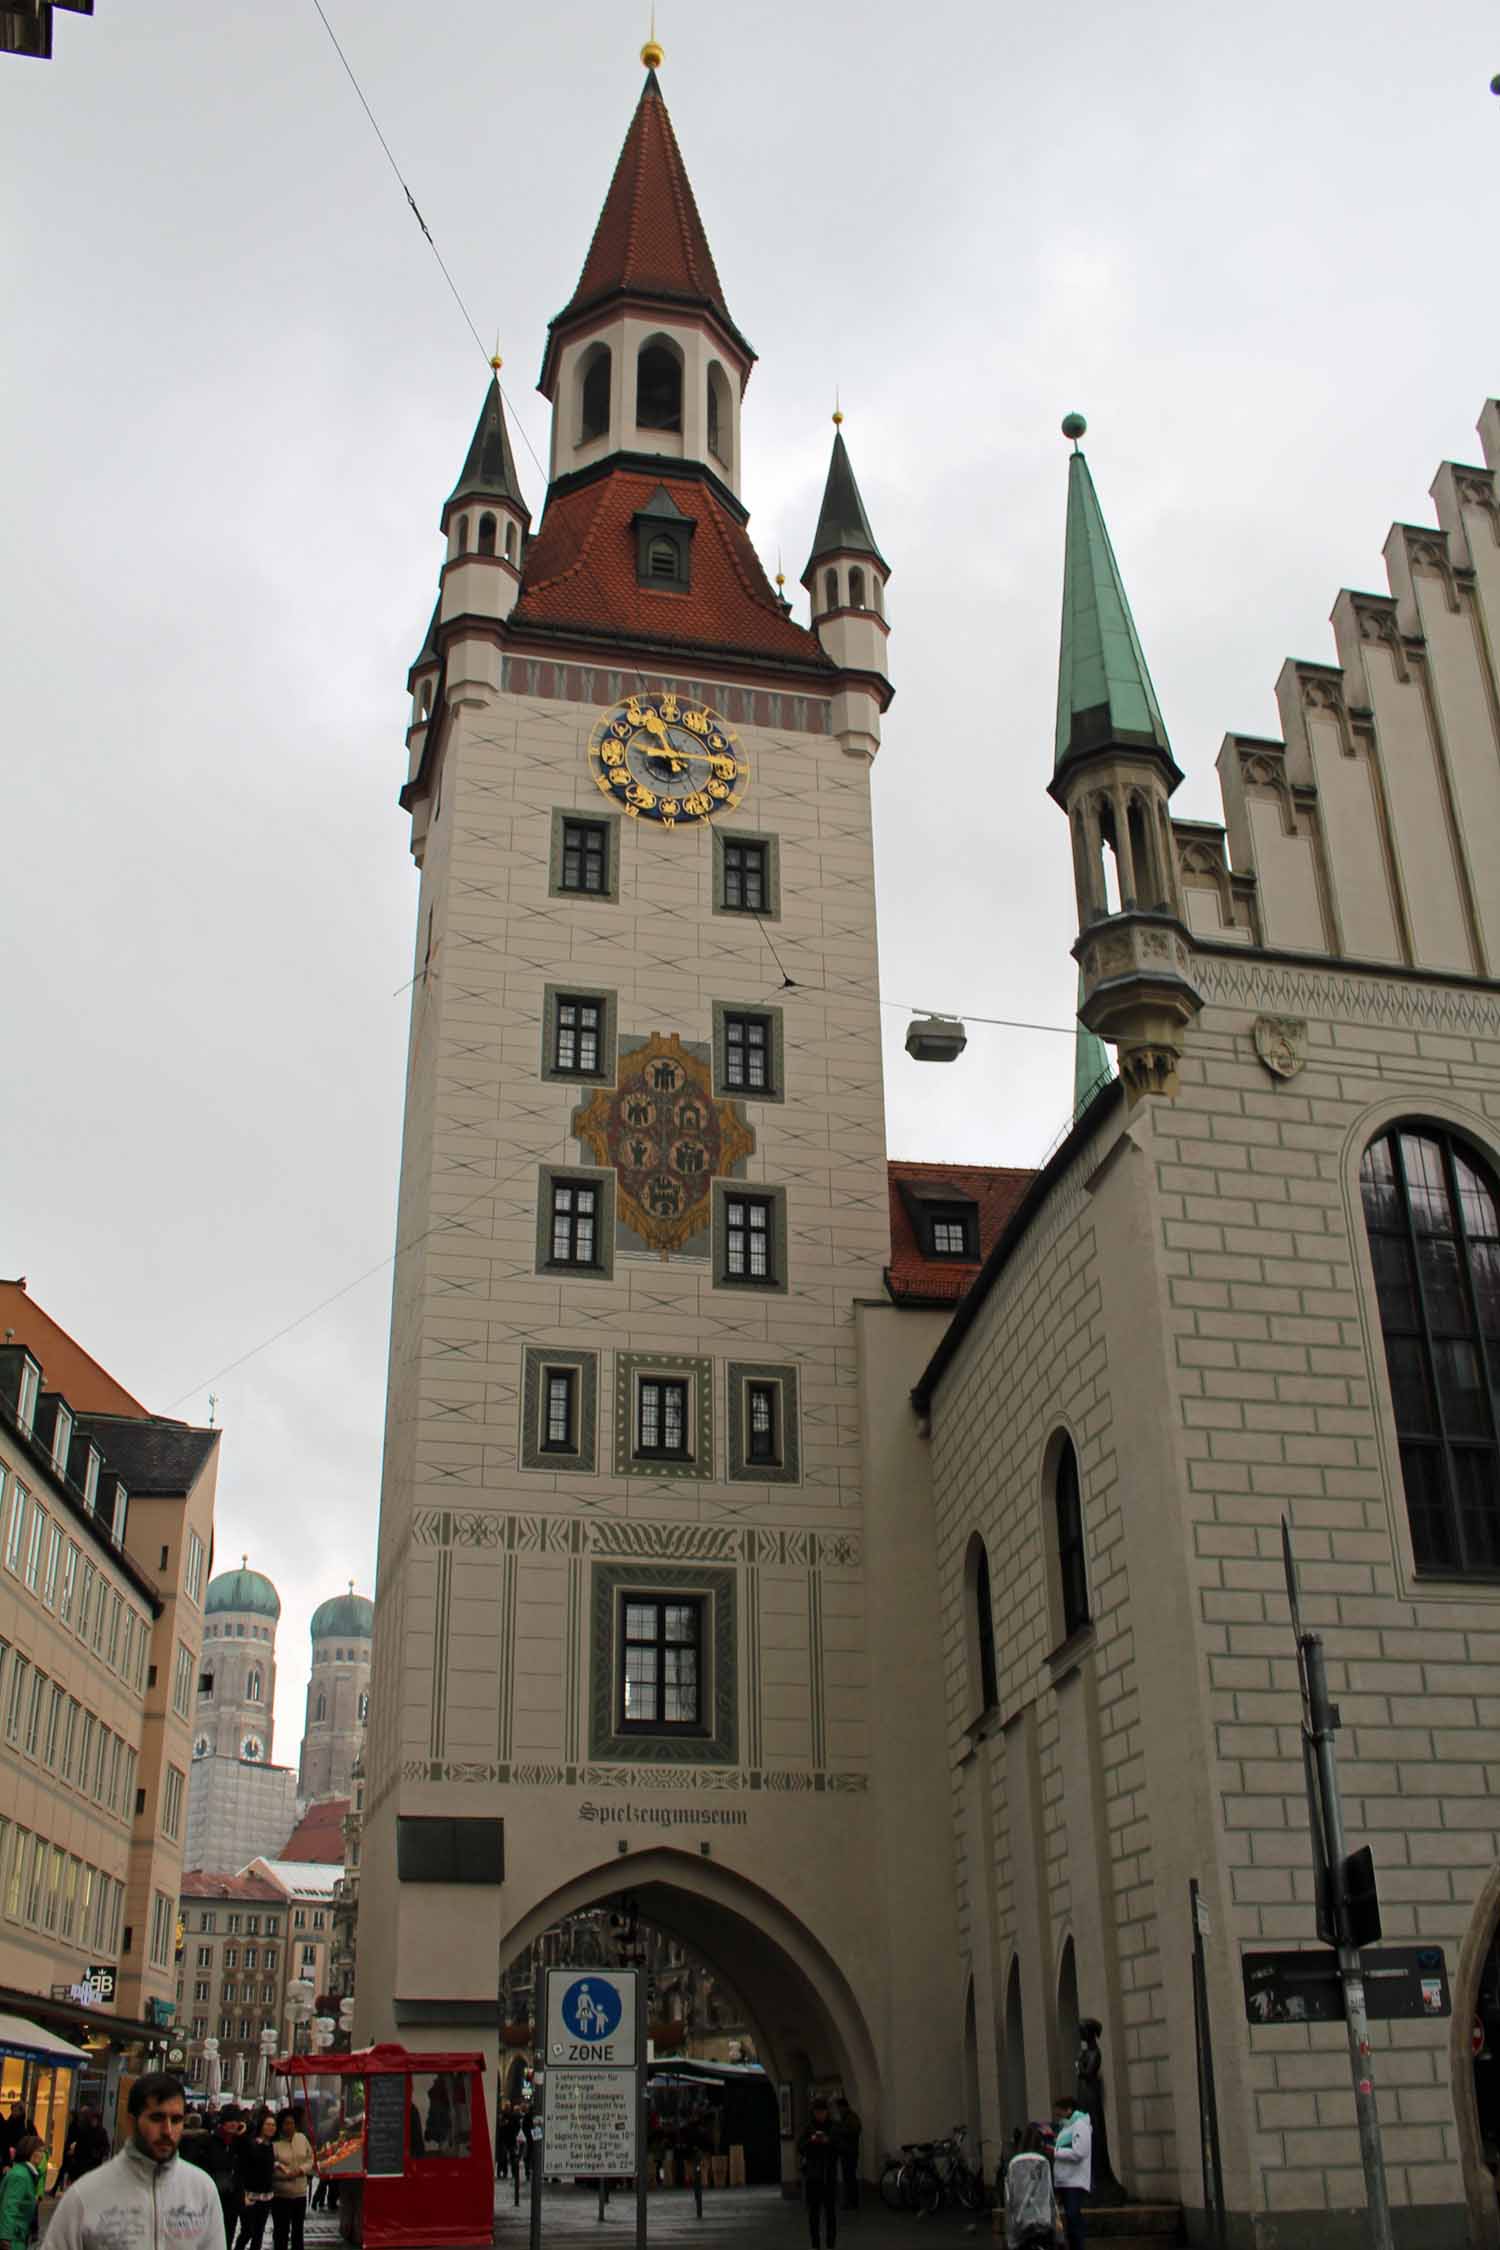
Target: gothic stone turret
pixel 1114 777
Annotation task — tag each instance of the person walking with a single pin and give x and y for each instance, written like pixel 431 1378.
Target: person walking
pixel 146 2193
pixel 19 2191
pixel 818 2151
pixel 255 2172
pixel 293 2157
pixel 1072 2165
pixel 693 2143
pixel 850 2127
pixel 87 2148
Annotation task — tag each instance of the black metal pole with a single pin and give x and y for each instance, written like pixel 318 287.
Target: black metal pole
pixel 1208 2103
pixel 535 2150
pixel 642 2114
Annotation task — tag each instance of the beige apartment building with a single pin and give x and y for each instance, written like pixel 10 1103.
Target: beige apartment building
pixel 870 1574
pixel 232 1976
pixel 106 1523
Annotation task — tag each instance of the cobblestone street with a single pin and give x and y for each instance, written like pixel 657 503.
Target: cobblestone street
pixel 742 2217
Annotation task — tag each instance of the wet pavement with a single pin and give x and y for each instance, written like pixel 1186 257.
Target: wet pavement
pixel 733 2219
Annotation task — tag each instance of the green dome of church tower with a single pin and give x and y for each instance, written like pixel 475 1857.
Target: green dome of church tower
pixel 243 1589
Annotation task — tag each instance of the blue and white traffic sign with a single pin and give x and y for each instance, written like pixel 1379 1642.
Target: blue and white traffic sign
pixel 591 2017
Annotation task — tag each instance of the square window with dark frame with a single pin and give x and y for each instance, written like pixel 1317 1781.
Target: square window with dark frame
pixel 585 856
pixel 575 1218
pixel 745 886
pixel 661 1665
pixel 952 1231
pixel 747 1053
pixel 578 1035
pixel 560 1432
pixel 749 1235
pixel 763 1423
pixel 662 1431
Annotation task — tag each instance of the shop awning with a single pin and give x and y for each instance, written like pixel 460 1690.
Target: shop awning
pixel 20 2037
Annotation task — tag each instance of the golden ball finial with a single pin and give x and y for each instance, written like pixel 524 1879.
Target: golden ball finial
pixel 652 55
pixel 496 362
pixel 838 416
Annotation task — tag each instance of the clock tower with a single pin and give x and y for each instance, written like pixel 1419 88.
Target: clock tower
pixel 622 1641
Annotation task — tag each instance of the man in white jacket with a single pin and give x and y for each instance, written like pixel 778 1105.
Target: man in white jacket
pixel 1072 2164
pixel 145 2198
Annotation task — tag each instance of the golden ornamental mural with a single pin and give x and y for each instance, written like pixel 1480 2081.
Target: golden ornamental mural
pixel 666 1136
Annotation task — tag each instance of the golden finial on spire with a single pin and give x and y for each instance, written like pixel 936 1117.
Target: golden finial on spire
pixel 496 361
pixel 838 411
pixel 780 573
pixel 651 53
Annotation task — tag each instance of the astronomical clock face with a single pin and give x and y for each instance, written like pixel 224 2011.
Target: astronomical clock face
pixel 667 760
pixel 252 1748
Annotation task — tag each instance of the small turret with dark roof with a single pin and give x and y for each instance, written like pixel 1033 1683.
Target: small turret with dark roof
pixel 846 578
pixel 489 470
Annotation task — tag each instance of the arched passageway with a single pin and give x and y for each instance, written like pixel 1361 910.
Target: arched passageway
pixel 1474 2054
pixel 808 2027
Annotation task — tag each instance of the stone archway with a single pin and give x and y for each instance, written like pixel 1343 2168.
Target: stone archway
pixel 808 2027
pixel 1479 2188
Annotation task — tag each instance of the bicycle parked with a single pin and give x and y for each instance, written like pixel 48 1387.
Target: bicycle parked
pixel 927 2175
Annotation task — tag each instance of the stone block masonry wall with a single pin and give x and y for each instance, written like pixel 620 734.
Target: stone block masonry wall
pixel 1065 1853
pixel 1283 1399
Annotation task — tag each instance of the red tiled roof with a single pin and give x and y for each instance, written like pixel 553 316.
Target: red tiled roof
pixel 650 239
pixel 66 1366
pixel 996 1189
pixel 580 572
pixel 254 1887
pixel 319 1834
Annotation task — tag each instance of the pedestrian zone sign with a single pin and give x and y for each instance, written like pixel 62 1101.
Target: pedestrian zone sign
pixel 591 2019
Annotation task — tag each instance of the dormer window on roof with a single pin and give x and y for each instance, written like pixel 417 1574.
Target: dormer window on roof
pixel 663 556
pixel 946 1225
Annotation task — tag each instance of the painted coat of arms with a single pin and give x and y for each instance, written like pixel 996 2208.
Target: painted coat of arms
pixel 666 1137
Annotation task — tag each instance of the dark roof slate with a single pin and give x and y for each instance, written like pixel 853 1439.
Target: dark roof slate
pixel 155 1458
pixel 843 526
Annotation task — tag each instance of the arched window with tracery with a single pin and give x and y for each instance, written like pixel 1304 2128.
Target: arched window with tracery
pixel 1072 1555
pixel 253 1688
pixel 321 1712
pixel 1432 1215
pixel 983 1665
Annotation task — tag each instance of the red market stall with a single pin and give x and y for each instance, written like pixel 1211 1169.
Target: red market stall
pixel 406 2139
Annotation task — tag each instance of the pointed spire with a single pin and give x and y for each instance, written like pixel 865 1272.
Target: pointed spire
pixel 1091 1064
pixel 489 470
pixel 843 526
pixel 1104 690
pixel 650 240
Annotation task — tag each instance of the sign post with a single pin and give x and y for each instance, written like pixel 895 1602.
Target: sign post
pixel 1337 1903
pixel 594 2082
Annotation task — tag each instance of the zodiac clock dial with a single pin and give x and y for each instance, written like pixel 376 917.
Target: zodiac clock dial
pixel 668 760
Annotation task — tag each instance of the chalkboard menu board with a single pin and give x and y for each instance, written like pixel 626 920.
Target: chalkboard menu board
pixel 385 2126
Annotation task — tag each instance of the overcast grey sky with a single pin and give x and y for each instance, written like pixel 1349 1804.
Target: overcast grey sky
pixel 1255 246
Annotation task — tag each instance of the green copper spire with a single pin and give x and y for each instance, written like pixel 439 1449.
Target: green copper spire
pixel 1091 1065
pixel 1104 691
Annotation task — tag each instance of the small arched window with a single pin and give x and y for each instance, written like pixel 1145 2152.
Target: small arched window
pixel 658 387
pixel 424 701
pixel 463 535
pixel 510 542
pixel 1432 1214
pixel 856 588
pixel 720 415
pixel 1072 1559
pixel 830 589
pixel 486 534
pixel 662 559
pixel 593 394
pixel 253 1685
pixel 322 1710
pixel 985 1669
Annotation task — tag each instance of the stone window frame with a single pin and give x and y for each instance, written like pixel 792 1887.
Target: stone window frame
pixel 549 1175
pixel 611 1585
pixel 1063 1636
pixel 775 1052
pixel 611 824
pixel 739 1468
pixel 532 1452
pixel 756 1191
pixel 771 911
pixel 607 1002
pixel 697 1467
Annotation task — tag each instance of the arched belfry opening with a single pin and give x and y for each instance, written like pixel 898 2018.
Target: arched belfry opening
pixel 800 2015
pixel 658 385
pixel 594 373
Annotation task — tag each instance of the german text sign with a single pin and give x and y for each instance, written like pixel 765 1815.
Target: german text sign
pixel 590 2131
